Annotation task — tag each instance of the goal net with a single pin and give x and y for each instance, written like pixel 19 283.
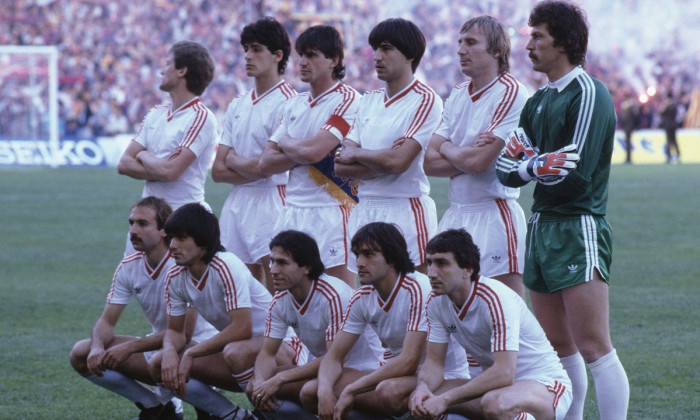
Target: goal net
pixel 29 95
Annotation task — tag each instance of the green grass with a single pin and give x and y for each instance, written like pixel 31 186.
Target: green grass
pixel 63 232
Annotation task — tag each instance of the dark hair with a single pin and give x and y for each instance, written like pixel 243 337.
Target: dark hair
pixel 458 242
pixel 199 63
pixel 326 39
pixel 402 34
pixel 567 24
pixel 302 248
pixel 194 221
pixel 270 33
pixel 387 239
pixel 497 39
pixel 161 207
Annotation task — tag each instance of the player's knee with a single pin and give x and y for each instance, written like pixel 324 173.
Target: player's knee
pixel 309 396
pixel 391 394
pixel 78 356
pixel 493 405
pixel 239 356
pixel 154 366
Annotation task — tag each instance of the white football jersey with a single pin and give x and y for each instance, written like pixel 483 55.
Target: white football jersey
pixel 227 284
pixel 494 318
pixel 412 113
pixel 192 126
pixel 250 121
pixel 303 116
pixel 495 108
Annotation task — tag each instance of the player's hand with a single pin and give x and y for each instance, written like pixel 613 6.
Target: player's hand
pixel 115 356
pixel 345 155
pixel 519 145
pixel 343 405
pixel 169 368
pixel 415 402
pixel 264 395
pixel 94 361
pixel 551 168
pixel 326 405
pixel 183 375
pixel 487 137
pixel 434 406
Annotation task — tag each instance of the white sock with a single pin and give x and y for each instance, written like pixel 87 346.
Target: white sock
pixel 611 387
pixel 205 398
pixel 128 388
pixel 243 378
pixel 165 395
pixel 460 417
pixel 524 416
pixel 575 367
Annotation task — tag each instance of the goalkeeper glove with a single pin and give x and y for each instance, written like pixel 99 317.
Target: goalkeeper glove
pixel 550 168
pixel 519 145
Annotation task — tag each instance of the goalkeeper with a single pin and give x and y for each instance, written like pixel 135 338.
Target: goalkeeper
pixel 565 145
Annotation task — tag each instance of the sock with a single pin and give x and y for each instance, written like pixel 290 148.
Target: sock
pixel 243 378
pixel 128 388
pixel 460 417
pixel 611 386
pixel 290 410
pixel 524 416
pixel 165 395
pixel 575 367
pixel 205 398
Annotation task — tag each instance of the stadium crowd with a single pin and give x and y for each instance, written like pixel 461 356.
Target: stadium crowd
pixel 108 62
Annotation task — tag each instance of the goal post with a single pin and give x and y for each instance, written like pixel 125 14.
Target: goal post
pixel 28 70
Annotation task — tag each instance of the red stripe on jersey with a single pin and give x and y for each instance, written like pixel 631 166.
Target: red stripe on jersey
pixel 314 101
pixel 128 259
pixel 498 322
pixel 388 102
pixel 421 227
pixel 431 296
pixel 174 271
pixel 348 99
pixel 427 102
pixel 476 97
pixel 463 312
pixel 196 127
pixel 472 361
pixel 199 284
pixel 155 273
pixel 282 191
pixel 268 319
pixel 257 99
pixel 287 90
pixel 230 293
pixel 417 308
pixel 303 307
pixel 507 102
pixel 362 291
pixel 511 236
pixel 335 307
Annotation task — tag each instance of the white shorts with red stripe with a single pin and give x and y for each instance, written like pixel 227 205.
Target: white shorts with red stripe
pixel 416 218
pixel 248 218
pixel 498 228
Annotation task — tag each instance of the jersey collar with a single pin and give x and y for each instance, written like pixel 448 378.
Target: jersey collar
pixel 562 83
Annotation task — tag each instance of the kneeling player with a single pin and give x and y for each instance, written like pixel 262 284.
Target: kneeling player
pixel 522 374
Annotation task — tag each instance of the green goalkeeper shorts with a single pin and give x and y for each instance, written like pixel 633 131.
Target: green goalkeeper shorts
pixel 565 251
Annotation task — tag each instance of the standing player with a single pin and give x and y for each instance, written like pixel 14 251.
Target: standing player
pixel 392 301
pixel 522 374
pixel 221 288
pixel 478 117
pixel 385 148
pixel 175 143
pixel 116 362
pixel 313 305
pixel 312 126
pixel 255 202
pixel 569 240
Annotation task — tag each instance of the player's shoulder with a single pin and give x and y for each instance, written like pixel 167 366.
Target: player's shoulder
pixel 132 258
pixel 422 89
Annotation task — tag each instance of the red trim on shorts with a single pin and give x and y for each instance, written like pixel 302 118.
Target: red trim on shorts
pixel 421 227
pixel 511 235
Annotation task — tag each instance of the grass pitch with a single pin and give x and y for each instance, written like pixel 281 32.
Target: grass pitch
pixel 63 233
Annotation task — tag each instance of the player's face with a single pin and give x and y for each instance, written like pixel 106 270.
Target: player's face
pixel 170 75
pixel 186 252
pixel 544 55
pixel 143 229
pixel 259 61
pixel 474 59
pixel 371 266
pixel 446 277
pixel 285 272
pixel 314 67
pixel 390 63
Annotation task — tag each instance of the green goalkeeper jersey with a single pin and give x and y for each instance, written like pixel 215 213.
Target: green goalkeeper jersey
pixel 575 109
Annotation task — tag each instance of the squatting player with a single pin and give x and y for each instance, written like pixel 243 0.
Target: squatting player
pixel 569 248
pixel 255 202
